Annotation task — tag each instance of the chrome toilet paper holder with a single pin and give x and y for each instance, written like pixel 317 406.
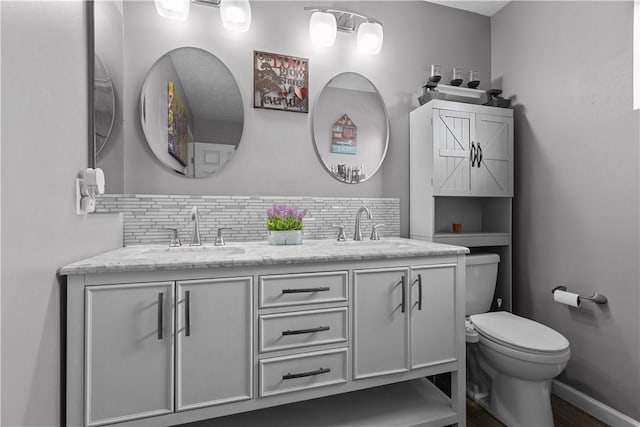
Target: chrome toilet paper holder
pixel 596 297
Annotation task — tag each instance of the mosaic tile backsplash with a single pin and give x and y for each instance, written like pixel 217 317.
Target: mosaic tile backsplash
pixel 146 217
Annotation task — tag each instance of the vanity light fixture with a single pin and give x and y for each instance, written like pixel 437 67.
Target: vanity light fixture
pixel 325 23
pixel 235 14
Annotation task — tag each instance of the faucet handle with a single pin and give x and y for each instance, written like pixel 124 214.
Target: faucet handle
pixel 374 231
pixel 175 239
pixel 341 236
pixel 219 239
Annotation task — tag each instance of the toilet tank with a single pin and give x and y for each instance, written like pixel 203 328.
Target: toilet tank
pixel 482 273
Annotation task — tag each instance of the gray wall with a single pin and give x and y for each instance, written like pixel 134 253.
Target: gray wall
pixel 44 134
pixel 44 146
pixel 416 34
pixel 569 66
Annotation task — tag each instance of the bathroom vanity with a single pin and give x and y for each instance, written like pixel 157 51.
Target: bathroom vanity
pixel 322 334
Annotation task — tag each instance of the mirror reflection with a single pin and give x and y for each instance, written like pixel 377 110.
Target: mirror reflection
pixel 104 107
pixel 350 128
pixel 191 112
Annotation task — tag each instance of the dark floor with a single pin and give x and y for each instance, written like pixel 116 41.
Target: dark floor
pixel 564 415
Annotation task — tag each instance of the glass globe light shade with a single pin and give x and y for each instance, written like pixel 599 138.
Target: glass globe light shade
pixel 177 10
pixel 235 14
pixel 369 38
pixel 323 29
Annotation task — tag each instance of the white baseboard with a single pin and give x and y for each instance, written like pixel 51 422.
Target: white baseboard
pixel 592 407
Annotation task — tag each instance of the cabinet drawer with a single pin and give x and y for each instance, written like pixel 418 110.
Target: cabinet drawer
pixel 304 371
pixel 306 288
pixel 302 329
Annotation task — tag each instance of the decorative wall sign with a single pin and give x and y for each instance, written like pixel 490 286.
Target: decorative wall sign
pixel 280 82
pixel 177 125
pixel 344 136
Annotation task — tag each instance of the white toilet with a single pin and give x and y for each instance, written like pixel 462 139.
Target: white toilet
pixel 511 360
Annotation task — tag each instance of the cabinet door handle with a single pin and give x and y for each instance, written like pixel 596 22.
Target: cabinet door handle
pixel 419 291
pixel 305 331
pixel 291 376
pixel 160 314
pixel 479 160
pixel 304 290
pixel 187 313
pixel 404 294
pixel 472 154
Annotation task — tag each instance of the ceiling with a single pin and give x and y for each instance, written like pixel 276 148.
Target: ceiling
pixel 483 7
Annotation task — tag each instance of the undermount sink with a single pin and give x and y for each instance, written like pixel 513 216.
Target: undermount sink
pixel 382 244
pixel 167 251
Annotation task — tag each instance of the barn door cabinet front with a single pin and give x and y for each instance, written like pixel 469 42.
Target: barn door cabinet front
pixel 473 153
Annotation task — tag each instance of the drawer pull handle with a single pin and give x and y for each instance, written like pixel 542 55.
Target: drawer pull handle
pixel 160 314
pixel 306 331
pixel 304 290
pixel 291 376
pixel 187 313
pixel 419 291
pixel 404 294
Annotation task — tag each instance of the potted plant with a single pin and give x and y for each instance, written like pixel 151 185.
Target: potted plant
pixel 284 224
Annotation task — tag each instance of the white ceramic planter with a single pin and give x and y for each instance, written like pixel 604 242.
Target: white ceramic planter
pixel 285 237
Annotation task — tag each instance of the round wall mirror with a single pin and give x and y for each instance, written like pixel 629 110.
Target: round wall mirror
pixel 191 112
pixel 350 128
pixel 104 105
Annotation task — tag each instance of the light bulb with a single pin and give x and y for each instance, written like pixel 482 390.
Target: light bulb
pixel 178 10
pixel 323 29
pixel 235 14
pixel 369 38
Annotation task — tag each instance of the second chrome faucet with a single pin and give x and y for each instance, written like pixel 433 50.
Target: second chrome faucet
pixel 357 234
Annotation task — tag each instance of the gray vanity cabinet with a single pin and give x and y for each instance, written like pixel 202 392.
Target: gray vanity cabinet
pixel 128 351
pixel 405 318
pixel 319 334
pixel 381 339
pixel 433 318
pixel 214 341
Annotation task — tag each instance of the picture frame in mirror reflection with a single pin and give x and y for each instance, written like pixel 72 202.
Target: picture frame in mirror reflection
pixel 280 82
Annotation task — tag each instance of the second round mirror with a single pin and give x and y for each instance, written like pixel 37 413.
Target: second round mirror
pixel 350 128
pixel 191 112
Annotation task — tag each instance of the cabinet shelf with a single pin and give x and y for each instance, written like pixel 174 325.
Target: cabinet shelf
pixel 471 240
pixel 409 403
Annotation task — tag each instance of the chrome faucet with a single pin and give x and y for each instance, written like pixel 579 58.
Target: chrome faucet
pixel 357 235
pixel 195 235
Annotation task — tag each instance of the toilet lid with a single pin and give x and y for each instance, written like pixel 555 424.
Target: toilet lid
pixel 518 332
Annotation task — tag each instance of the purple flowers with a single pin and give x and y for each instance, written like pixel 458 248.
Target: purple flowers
pixel 282 217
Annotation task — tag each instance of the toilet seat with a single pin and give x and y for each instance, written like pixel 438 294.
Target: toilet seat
pixel 519 334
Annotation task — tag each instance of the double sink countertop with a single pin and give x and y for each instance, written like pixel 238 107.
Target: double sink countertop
pixel 163 257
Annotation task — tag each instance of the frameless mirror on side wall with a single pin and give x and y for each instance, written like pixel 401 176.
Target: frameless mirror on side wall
pixel 350 128
pixel 108 73
pixel 191 112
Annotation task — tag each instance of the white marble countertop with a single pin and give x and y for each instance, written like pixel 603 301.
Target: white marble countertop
pixel 162 257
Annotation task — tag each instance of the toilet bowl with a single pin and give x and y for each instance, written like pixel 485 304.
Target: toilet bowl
pixel 511 360
pixel 521 357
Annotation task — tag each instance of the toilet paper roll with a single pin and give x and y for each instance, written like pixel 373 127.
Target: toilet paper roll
pixel 568 298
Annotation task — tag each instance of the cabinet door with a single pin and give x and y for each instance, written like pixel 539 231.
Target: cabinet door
pixel 433 319
pixel 451 145
pixel 380 322
pixel 214 341
pixel 128 351
pixel 494 139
